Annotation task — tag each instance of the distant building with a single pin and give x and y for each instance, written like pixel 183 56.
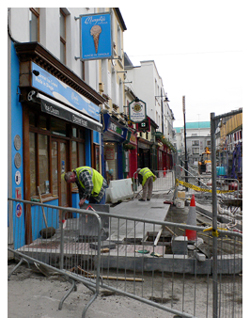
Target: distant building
pixel 197 137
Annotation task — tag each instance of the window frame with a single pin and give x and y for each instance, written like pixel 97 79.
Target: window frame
pixel 36 12
pixel 69 138
pixel 63 36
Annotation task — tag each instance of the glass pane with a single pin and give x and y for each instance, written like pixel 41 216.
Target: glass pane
pixel 97 159
pixel 74 132
pixel 43 163
pixel 81 134
pixel 81 154
pixel 42 123
pixel 32 165
pixel 63 170
pixel 33 27
pixel 54 169
pixel 58 127
pixel 62 52
pixel 32 121
pixel 74 155
pixel 74 159
pixel 62 25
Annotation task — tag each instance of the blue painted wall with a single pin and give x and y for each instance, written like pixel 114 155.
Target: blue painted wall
pixel 38 223
pixel 16 129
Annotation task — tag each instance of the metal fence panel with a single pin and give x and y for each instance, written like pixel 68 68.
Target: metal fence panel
pixel 133 260
pixel 165 182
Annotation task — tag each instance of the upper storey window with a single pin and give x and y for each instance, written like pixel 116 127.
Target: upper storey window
pixel 34 15
pixel 62 37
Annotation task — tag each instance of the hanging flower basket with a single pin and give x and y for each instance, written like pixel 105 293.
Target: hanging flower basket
pixel 129 147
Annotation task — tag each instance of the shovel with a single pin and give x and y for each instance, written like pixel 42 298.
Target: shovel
pixel 47 232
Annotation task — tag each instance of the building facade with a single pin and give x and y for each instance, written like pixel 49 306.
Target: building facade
pixel 55 104
pixel 197 139
pixel 147 85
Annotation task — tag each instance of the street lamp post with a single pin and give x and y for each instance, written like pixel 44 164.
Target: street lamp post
pixel 185 141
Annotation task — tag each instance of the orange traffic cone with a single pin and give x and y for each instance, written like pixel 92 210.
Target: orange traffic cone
pixel 191 220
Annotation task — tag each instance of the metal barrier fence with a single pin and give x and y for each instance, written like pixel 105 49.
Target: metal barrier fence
pixel 130 258
pixel 165 181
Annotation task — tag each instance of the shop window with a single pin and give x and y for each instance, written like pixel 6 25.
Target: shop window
pixel 42 123
pixel 74 132
pixel 110 155
pixel 32 119
pixel 48 160
pixel 81 134
pixel 40 142
pixel 74 154
pixel 54 157
pixel 32 164
pixel 81 154
pixel 43 163
pixel 58 127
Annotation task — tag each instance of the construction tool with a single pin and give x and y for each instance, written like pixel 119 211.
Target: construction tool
pixel 48 232
pixel 90 275
pixel 142 251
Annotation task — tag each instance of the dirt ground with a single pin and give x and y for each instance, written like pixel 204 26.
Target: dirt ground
pixel 33 295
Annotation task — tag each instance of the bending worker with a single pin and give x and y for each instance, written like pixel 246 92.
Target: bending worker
pixel 146 178
pixel 90 183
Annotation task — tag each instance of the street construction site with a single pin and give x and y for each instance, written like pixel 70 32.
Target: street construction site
pixel 154 256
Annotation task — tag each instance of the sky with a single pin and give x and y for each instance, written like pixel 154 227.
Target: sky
pixel 198 48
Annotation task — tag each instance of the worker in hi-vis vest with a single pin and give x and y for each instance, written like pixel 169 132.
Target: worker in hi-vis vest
pixel 146 177
pixel 90 183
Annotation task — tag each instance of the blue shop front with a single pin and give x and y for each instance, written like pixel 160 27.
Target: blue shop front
pixel 114 135
pixel 55 127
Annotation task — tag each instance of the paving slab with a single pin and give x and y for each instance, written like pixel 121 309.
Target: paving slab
pixel 121 229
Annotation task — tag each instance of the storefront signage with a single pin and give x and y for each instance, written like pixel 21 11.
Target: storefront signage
pixel 18 177
pixel 52 86
pixel 137 111
pixel 110 153
pixel 18 193
pixel 96 36
pixel 62 113
pixel 116 129
pixel 19 210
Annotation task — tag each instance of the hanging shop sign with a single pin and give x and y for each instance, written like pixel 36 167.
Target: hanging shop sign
pixel 96 36
pixel 137 111
pixel 53 87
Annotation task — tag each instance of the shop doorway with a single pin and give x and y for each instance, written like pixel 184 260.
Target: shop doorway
pixel 59 167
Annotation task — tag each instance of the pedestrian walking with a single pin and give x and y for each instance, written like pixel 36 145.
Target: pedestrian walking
pixel 146 177
pixel 91 184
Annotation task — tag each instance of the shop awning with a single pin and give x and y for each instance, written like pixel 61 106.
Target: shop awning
pixel 59 110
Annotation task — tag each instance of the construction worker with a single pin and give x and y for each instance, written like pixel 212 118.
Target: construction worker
pixel 146 177
pixel 90 183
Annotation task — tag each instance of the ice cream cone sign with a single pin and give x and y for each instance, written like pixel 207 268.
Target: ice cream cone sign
pixel 95 31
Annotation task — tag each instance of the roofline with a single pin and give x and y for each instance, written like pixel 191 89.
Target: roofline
pixel 118 12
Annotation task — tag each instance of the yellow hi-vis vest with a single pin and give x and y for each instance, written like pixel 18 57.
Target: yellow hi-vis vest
pixel 97 179
pixel 146 173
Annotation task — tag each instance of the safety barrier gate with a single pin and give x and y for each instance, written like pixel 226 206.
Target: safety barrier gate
pixel 165 182
pixel 129 258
